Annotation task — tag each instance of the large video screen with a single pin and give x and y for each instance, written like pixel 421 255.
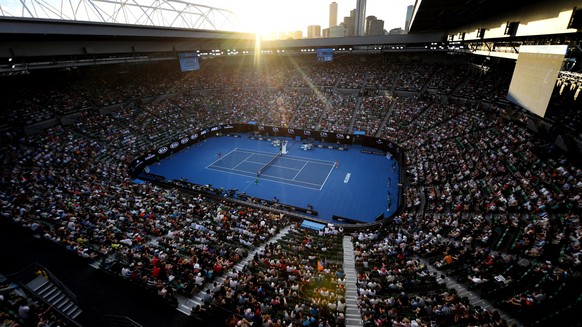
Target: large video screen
pixel 535 76
pixel 189 61
pixel 324 54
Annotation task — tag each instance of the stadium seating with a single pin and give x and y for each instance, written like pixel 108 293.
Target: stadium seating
pixel 484 196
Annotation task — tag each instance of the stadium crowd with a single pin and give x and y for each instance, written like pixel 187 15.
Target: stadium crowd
pixel 297 280
pixel 487 202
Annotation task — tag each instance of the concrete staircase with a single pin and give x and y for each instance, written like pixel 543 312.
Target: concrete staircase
pixel 55 296
pixel 355 114
pixel 353 315
pixel 385 119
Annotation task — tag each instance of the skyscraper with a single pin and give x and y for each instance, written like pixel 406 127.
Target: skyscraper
pixel 376 27
pixel 333 14
pixel 313 31
pixel 296 35
pixel 369 21
pixel 349 23
pixel 337 31
pixel 360 17
pixel 409 10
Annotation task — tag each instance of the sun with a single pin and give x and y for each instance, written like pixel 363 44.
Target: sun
pixel 260 17
pixel 261 26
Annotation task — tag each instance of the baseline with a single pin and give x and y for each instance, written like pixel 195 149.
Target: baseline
pixel 220 159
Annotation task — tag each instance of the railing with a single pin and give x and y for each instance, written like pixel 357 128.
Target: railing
pixel 121 321
pixel 29 272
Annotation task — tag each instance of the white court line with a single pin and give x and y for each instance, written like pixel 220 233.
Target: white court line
pixel 305 164
pixel 287 179
pixel 317 161
pixel 256 151
pixel 244 160
pixel 226 169
pixel 282 181
pixel 255 162
pixel 326 178
pixel 329 163
pixel 250 183
pixel 309 159
pixel 222 157
pixel 264 163
pixel 289 156
pixel 304 160
pixel 277 179
pixel 246 175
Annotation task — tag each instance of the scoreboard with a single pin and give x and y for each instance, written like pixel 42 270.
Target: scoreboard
pixel 324 54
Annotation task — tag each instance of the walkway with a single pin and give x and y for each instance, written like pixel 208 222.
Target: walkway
pixel 353 315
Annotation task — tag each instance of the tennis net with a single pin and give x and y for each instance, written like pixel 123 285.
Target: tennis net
pixel 260 171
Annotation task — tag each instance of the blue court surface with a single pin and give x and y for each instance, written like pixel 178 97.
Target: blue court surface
pixel 290 170
pixel 362 186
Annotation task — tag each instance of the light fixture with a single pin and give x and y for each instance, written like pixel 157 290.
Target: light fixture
pixel 570 79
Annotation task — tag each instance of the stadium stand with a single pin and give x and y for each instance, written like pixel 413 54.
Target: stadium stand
pixel 488 234
pixel 485 207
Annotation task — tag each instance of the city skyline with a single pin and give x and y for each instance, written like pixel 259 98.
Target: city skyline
pixel 271 17
pixel 266 17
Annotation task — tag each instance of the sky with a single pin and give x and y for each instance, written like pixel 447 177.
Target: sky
pixel 265 16
pixel 291 15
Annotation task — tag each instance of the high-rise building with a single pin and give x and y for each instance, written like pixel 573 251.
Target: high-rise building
pixel 376 27
pixel 333 14
pixel 337 31
pixel 396 31
pixel 360 17
pixel 369 20
pixel 409 11
pixel 350 23
pixel 313 31
pixel 296 35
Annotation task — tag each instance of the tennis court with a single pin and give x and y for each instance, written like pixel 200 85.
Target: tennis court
pixel 284 169
pixel 356 189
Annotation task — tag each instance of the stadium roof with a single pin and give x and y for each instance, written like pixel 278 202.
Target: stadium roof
pixel 446 15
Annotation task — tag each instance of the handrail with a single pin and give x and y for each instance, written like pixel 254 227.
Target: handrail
pixel 22 276
pixel 58 282
pixel 131 322
pixel 30 270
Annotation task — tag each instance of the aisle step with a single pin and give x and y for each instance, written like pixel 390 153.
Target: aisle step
pixel 353 315
pixel 185 304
